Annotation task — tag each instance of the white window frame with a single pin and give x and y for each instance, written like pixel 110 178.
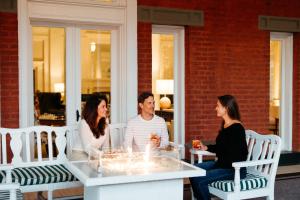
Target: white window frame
pixel 179 79
pixel 118 13
pixel 286 96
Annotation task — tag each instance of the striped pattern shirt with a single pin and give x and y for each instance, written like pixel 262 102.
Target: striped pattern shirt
pixel 139 130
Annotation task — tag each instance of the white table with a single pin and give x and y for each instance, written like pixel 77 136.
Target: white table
pixel 163 182
pixel 200 155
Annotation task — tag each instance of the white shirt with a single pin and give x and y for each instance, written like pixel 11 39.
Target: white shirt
pixel 89 140
pixel 139 130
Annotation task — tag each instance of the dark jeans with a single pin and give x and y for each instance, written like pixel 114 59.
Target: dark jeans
pixel 213 173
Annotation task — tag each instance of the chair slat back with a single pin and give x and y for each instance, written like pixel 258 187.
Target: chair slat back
pixel 117 135
pixel 3 146
pixel 263 147
pixel 28 144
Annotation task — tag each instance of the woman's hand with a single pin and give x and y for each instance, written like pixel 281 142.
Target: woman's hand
pixel 203 147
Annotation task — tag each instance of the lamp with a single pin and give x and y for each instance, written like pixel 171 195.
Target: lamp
pixel 60 87
pixel 165 86
pixel 93 46
pixel 275 108
pixel 276 102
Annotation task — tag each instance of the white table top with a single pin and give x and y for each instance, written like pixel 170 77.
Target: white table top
pixel 164 168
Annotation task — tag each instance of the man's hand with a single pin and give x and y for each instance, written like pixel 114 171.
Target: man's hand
pixel 155 140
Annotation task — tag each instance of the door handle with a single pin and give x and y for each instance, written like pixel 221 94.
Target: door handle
pixel 77 115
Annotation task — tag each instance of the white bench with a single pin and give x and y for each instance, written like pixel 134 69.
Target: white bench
pixel 35 173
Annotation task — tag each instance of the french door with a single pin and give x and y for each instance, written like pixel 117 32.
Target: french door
pixel 69 64
pixel 83 47
pixel 91 68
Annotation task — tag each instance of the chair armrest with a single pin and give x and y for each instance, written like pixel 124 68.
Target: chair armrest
pixel 179 146
pixel 238 165
pixel 251 163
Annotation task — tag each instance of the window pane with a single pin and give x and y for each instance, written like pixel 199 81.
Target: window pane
pixel 163 78
pixel 275 68
pixel 95 63
pixel 49 75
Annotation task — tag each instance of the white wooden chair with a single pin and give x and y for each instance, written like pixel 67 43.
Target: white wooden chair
pixel 36 173
pixel 262 162
pixel 117 135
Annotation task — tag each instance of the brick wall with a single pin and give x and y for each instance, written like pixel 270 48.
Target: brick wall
pixel 296 93
pixel 229 54
pixel 9 70
pixel 224 56
pixel 144 57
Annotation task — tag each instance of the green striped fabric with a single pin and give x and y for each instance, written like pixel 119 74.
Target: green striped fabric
pixel 40 175
pixel 250 182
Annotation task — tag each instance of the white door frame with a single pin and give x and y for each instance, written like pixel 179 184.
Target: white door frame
pixel 179 79
pixel 286 96
pixel 118 13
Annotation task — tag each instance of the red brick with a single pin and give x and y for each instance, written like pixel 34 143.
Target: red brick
pixel 9 87
pixel 228 55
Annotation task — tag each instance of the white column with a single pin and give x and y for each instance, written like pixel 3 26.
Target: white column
pixel 26 116
pixel 131 61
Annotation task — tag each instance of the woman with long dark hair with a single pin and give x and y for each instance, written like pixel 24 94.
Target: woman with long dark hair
pixel 230 147
pixel 93 125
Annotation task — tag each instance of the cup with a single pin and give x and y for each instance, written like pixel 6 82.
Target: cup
pixel 196 144
pixel 154 139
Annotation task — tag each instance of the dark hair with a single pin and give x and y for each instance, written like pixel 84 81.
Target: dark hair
pixel 144 96
pixel 231 105
pixel 90 114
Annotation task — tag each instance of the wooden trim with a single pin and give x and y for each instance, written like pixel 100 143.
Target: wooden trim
pixel 281 24
pixel 167 16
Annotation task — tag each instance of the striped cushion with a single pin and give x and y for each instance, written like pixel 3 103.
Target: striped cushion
pixel 5 195
pixel 250 182
pixel 40 175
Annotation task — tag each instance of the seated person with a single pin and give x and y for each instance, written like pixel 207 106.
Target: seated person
pixel 146 127
pixel 230 147
pixel 93 125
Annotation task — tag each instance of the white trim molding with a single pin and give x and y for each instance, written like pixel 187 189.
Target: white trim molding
pixel 119 15
pixel 26 117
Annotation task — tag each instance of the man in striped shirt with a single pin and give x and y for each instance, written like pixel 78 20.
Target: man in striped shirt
pixel 146 128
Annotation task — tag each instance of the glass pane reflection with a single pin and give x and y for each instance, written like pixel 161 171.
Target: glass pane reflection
pixel 49 75
pixel 95 63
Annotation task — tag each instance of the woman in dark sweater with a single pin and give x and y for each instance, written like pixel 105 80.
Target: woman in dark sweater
pixel 230 147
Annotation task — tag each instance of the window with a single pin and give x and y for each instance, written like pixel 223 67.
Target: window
pixel 168 78
pixel 281 87
pixel 49 51
pixel 163 77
